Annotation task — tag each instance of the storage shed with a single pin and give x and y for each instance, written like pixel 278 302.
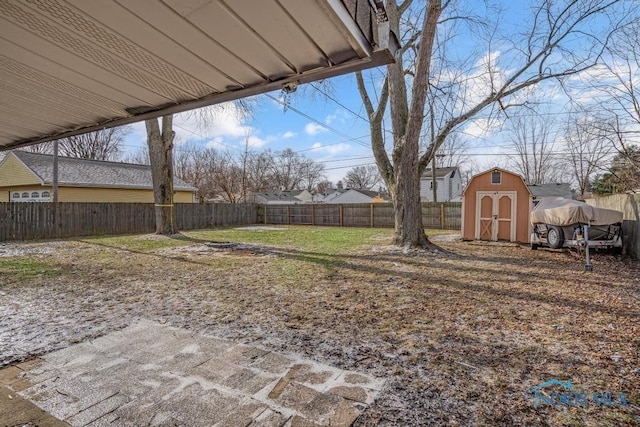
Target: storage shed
pixel 496 205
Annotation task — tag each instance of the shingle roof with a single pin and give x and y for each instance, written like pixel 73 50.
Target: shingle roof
pixel 92 173
pixel 289 195
pixel 372 193
pixel 558 189
pixel 440 172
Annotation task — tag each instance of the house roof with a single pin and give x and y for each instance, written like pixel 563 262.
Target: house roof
pixel 71 67
pixel 558 189
pixel 371 193
pixel 288 195
pixel 92 173
pixel 440 172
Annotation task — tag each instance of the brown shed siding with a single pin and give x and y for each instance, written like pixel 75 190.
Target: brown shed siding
pixel 510 182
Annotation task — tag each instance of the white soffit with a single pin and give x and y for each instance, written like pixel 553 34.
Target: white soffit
pixel 72 66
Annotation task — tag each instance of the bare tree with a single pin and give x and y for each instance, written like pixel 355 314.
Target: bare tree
pixel 559 40
pixel 288 170
pixel 453 152
pixel 313 173
pixel 258 169
pixel 104 144
pixel 100 145
pixel 323 187
pixel 588 147
pixel 534 145
pixel 363 177
pixel 42 148
pixel 160 137
pixel 138 157
pixel 228 178
pixel 196 164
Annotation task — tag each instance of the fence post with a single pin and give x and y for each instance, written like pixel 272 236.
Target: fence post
pixel 442 216
pixel 341 216
pixel 288 215
pixel 313 214
pixel 265 214
pixel 371 215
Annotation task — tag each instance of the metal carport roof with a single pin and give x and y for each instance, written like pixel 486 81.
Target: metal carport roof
pixel 72 66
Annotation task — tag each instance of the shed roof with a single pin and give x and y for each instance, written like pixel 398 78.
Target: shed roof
pixel 74 66
pixel 92 173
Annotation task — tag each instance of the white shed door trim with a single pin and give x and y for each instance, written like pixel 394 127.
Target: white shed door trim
pixel 495 219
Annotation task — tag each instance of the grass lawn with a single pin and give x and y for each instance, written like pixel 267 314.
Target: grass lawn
pixel 462 336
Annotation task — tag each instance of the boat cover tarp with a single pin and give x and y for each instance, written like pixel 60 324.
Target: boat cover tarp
pixel 562 212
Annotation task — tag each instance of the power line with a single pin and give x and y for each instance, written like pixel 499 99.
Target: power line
pixel 318 122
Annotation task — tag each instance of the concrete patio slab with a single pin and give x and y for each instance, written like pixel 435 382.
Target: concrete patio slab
pixel 156 375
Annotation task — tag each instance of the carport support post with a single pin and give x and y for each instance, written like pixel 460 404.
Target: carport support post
pixel 54 190
pixel 587 266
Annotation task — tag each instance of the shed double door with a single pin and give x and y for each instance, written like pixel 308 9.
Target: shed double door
pixel 496 215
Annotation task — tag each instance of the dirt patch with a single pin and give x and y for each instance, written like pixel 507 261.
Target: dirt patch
pixel 462 338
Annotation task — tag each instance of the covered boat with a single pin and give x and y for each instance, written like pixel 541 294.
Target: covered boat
pixel 563 212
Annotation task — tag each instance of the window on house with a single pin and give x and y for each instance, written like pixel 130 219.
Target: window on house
pixel 35 195
pixel 25 195
pixel 46 194
pixel 496 177
pixel 15 195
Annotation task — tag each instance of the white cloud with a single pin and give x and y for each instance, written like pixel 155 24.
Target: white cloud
pixel 340 116
pixel 255 142
pixel 288 135
pixel 215 143
pixel 226 120
pixel 314 128
pixel 330 149
pixel 481 127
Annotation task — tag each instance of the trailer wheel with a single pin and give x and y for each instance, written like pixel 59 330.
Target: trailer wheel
pixel 555 237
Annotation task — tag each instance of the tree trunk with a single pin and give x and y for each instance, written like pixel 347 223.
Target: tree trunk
pixel 160 142
pixel 407 208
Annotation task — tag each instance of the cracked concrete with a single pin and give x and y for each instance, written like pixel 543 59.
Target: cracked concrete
pixel 152 374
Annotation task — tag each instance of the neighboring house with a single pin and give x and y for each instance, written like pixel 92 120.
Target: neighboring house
pixel 330 195
pixel 448 185
pixel 352 195
pixel 559 189
pixel 28 177
pixel 289 197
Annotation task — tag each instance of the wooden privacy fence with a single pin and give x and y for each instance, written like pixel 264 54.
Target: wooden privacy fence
pixel 629 205
pixel 30 221
pixel 446 216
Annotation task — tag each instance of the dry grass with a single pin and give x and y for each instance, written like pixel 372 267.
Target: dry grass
pixel 461 337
